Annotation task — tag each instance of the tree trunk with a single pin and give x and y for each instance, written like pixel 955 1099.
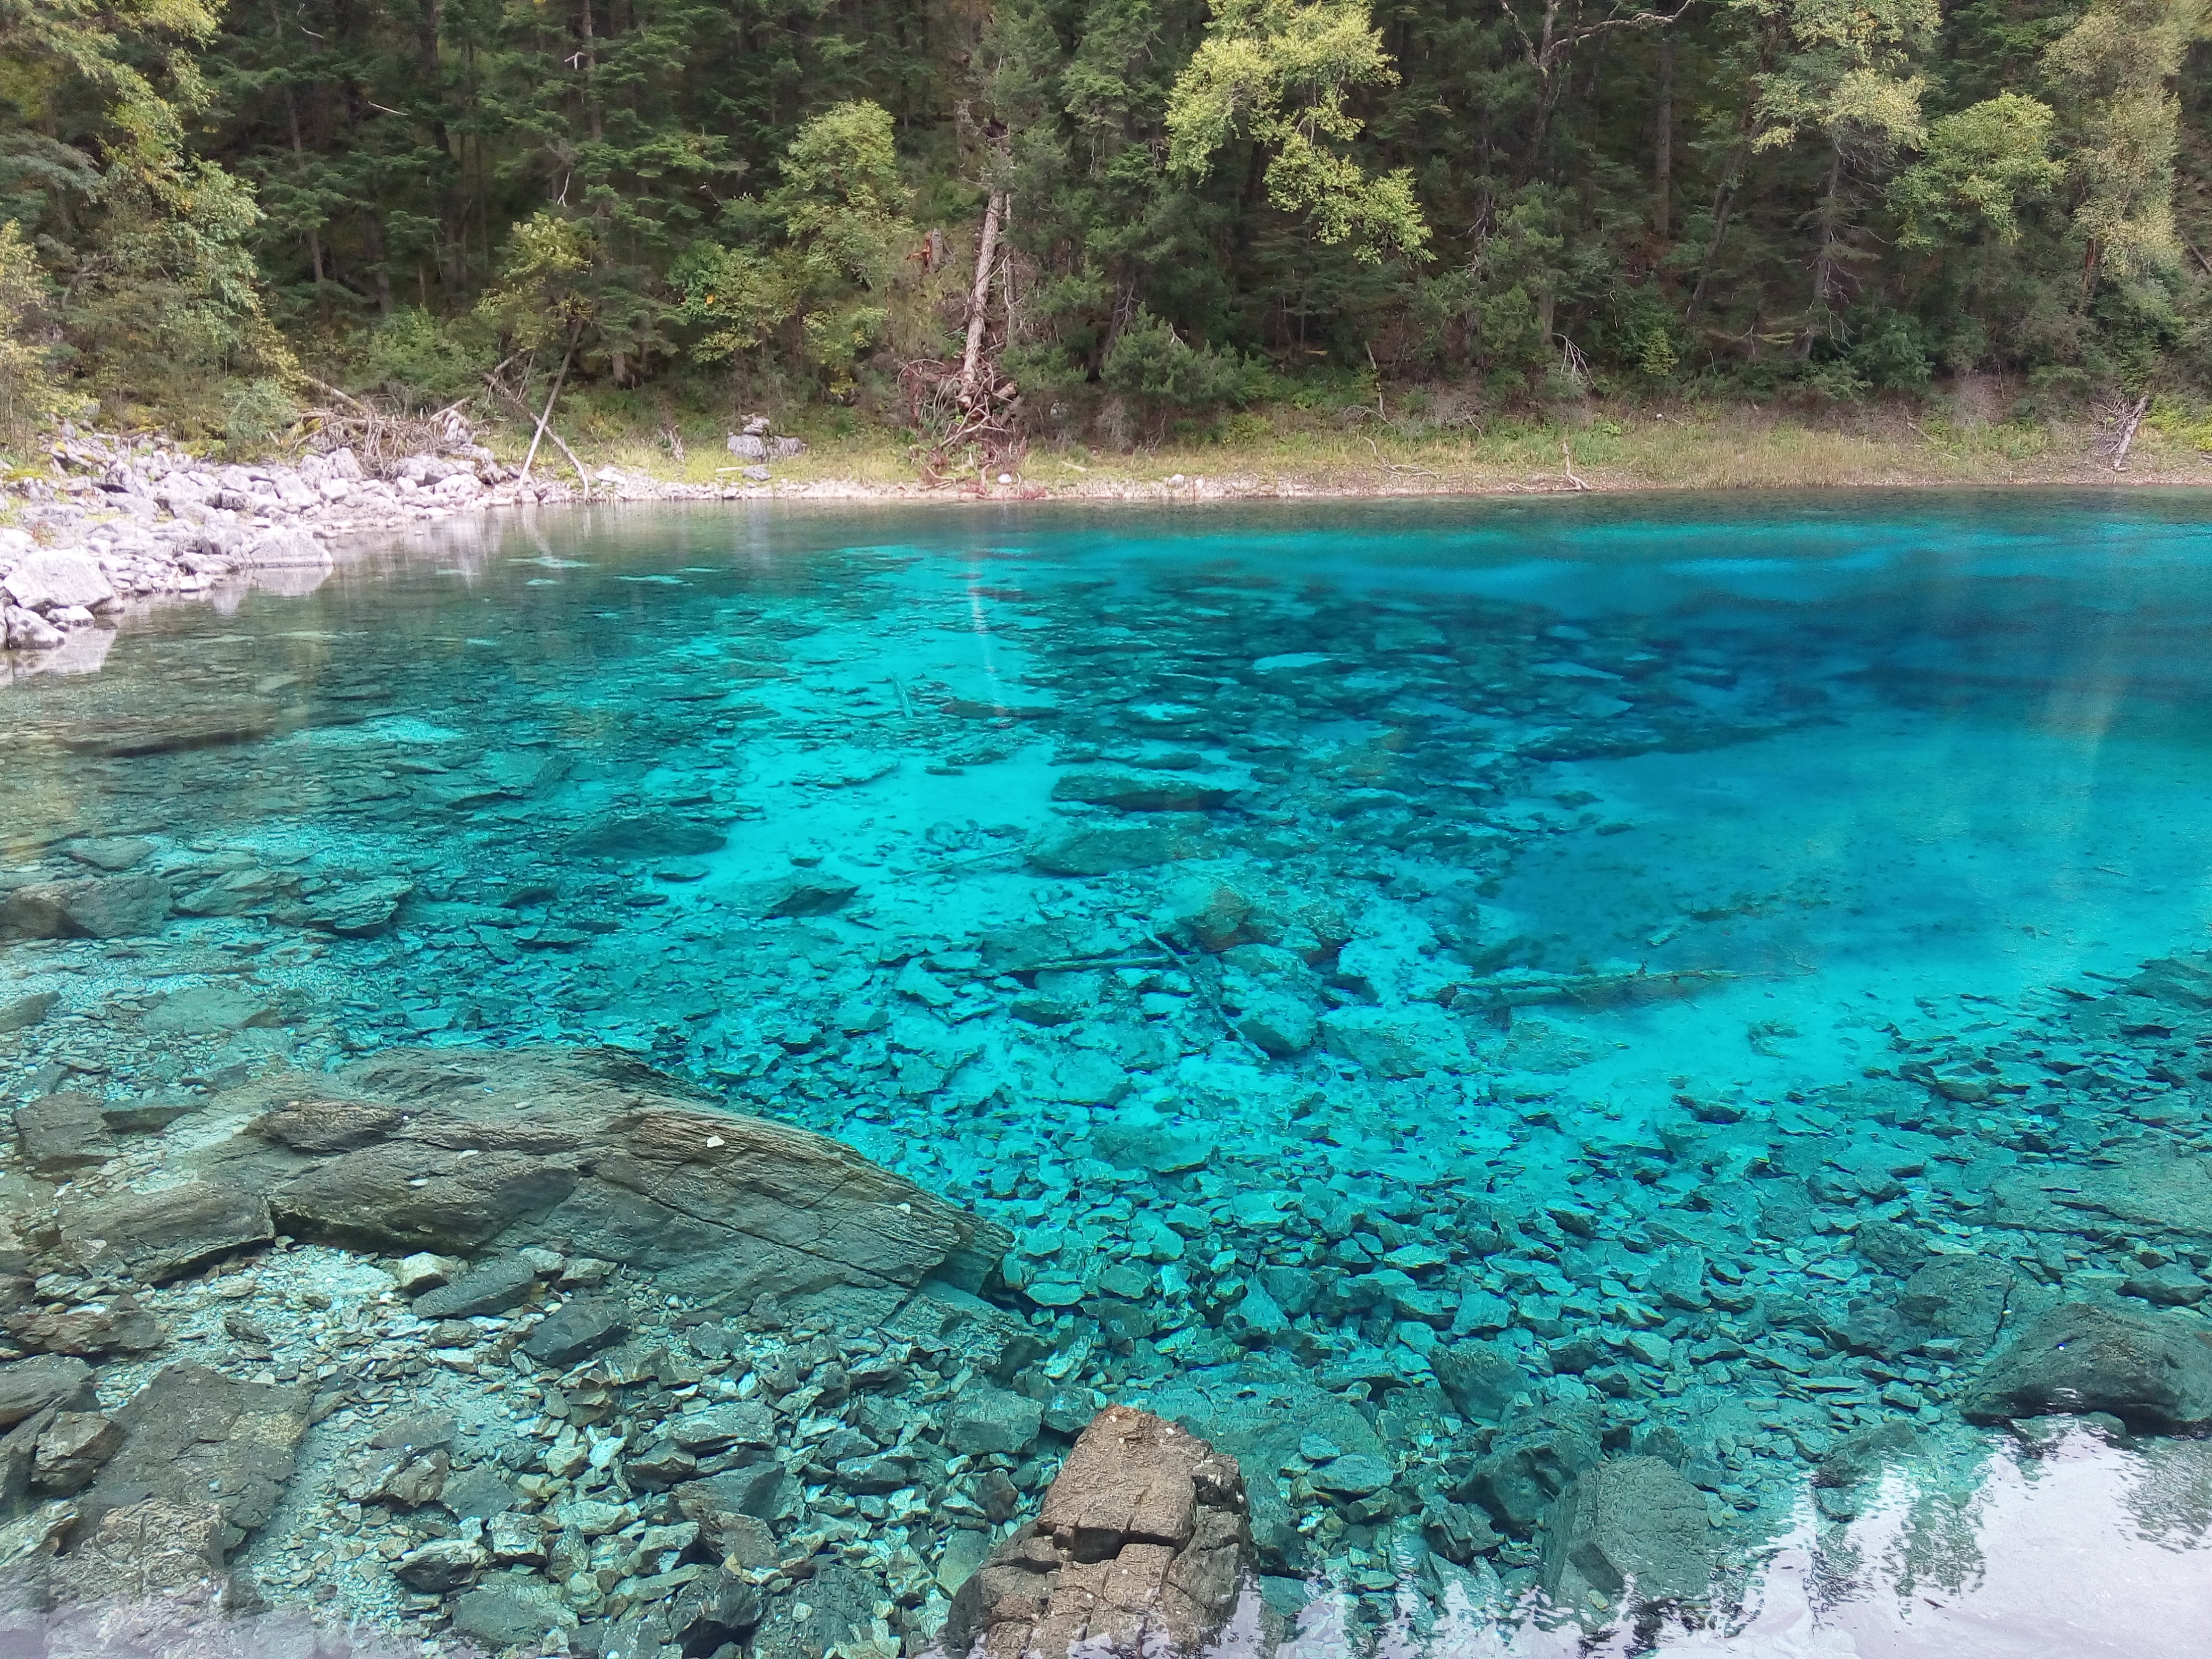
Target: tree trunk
pixel 1724 206
pixel 372 234
pixel 595 121
pixel 979 297
pixel 594 117
pixel 299 162
pixel 1747 131
pixel 545 420
pixel 1006 268
pixel 1825 261
pixel 1662 145
pixel 1549 88
pixel 2127 435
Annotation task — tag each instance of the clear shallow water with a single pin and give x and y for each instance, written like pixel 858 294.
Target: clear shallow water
pixel 1325 935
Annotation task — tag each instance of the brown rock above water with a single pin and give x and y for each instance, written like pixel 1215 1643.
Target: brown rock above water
pixel 1143 1547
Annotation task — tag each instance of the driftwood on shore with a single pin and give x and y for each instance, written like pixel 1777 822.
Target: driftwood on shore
pixel 381 432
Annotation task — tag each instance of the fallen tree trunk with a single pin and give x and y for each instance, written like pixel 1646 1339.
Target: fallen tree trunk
pixel 515 398
pixel 2127 433
pixel 545 419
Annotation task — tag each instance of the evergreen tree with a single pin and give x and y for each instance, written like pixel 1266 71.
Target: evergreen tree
pixel 1526 197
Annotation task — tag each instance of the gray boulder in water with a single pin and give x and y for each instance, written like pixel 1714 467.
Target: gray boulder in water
pixel 1629 1527
pixel 95 907
pixel 2151 1372
pixel 1142 1547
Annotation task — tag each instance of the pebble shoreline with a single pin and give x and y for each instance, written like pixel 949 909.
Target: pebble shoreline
pixel 119 523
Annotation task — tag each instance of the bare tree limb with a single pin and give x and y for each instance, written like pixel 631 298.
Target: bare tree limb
pixel 2126 437
pixel 1553 44
pixel 515 398
pixel 979 298
pixel 1572 478
pixel 338 393
pixel 537 437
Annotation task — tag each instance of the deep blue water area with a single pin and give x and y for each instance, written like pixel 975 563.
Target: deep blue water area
pixel 1501 986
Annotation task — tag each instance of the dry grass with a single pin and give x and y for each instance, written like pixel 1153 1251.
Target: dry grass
pixel 1616 450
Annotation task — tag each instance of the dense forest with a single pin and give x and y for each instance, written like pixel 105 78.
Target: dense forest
pixel 1180 207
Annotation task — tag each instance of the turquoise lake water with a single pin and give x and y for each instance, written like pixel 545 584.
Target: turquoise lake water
pixel 1627 936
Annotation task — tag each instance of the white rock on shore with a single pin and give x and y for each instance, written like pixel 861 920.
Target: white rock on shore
pixel 116 523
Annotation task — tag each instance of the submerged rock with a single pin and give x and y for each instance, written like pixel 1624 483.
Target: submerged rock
pixel 512 1613
pixel 1279 1025
pixel 587 1151
pixel 1142 1548
pixel 359 908
pixel 159 1236
pixel 648 836
pixel 95 906
pixel 1264 1431
pixel 579 1328
pixel 63 1132
pixel 986 1420
pixel 156 1551
pixel 21 1013
pixel 803 893
pixel 1397 1042
pixel 194 1436
pixel 28 1387
pixel 1519 1481
pixel 1481 1379
pixel 210 1008
pixel 119 1326
pixel 493 1287
pixel 1091 848
pixel 1631 1526
pixel 72 1448
pixel 1136 791
pixel 2151 1372
pixel 113 854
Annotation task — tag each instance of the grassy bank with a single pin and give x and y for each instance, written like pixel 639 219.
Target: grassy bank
pixel 1603 449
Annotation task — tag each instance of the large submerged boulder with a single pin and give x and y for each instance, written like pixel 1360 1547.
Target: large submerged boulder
pixel 586 1151
pixel 2151 1372
pixel 1141 1548
pixel 1630 1527
pixel 195 1437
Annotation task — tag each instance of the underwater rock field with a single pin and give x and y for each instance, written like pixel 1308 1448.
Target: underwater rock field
pixel 1581 1052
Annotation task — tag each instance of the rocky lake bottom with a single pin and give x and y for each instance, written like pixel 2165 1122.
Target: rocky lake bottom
pixel 1644 1069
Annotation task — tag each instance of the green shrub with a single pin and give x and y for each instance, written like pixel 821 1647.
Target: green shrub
pixel 425 360
pixel 27 390
pixel 1149 362
pixel 1892 354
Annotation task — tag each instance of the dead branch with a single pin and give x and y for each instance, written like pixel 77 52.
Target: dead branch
pixel 515 398
pixel 953 420
pixel 979 298
pixel 551 398
pixel 381 432
pixel 339 392
pixel 2120 422
pixel 970 408
pixel 1572 476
